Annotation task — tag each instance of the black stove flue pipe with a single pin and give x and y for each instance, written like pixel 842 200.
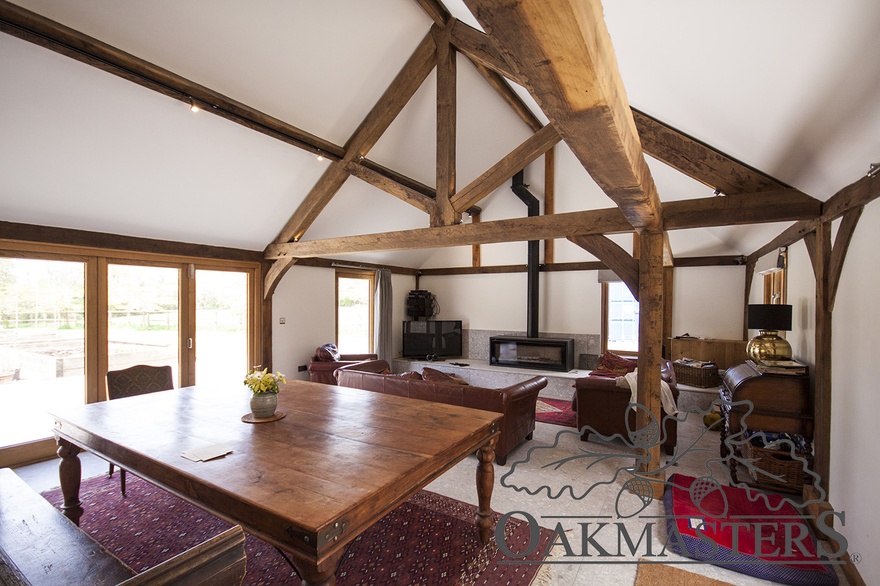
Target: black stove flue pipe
pixel 521 190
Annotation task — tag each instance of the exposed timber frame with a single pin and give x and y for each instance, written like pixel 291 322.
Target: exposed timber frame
pixel 827 262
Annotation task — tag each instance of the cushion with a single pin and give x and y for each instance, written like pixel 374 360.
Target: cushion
pixel 767 519
pixel 409 375
pixel 612 365
pixel 436 376
pixel 327 353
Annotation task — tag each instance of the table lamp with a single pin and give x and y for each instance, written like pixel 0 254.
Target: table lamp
pixel 769 319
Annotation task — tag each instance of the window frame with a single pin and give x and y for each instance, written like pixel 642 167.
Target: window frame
pixel 366 275
pixel 605 326
pixel 96 260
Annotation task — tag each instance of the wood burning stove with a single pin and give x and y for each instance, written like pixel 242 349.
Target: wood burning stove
pixel 526 352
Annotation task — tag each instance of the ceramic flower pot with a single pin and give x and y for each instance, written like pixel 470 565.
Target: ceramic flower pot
pixel 263 404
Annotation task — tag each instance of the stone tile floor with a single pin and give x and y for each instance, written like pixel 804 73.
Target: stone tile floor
pixel 598 495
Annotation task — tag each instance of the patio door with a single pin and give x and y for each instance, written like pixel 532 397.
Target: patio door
pixel 42 344
pixel 221 326
pixel 67 319
pixel 143 316
pixel 192 317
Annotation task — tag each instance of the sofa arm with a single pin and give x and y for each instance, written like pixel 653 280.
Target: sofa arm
pixel 524 389
pixel 377 366
pixel 357 357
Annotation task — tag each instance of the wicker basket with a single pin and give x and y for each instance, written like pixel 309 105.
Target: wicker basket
pixel 696 377
pixel 778 463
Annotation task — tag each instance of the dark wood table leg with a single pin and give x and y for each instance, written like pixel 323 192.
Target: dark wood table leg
pixel 323 574
pixel 485 484
pixel 70 474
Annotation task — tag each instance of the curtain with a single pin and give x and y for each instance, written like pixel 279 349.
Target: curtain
pixel 382 321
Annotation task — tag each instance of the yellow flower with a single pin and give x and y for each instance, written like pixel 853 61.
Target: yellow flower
pixel 263 381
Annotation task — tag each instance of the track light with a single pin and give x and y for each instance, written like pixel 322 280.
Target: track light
pixel 193 106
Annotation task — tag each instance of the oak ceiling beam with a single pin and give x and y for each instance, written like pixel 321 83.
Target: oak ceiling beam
pixel 380 117
pixel 563 52
pixel 698 160
pixel 479 48
pixel 398 190
pixel 436 11
pixel 606 221
pixel 613 256
pixel 787 237
pixel 663 142
pixel 37 29
pixel 838 251
pixel 853 196
pixel 775 205
pixel 46 33
pixel 532 148
pixel 444 213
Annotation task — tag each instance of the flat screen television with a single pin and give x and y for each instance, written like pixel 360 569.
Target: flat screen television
pixel 440 338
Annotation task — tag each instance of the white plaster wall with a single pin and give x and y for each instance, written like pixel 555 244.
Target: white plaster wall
pixel 569 301
pixel 855 400
pixel 306 298
pixel 707 302
pixel 802 298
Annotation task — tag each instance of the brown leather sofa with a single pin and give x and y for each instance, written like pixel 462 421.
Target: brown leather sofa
pixel 321 371
pixel 516 403
pixel 602 405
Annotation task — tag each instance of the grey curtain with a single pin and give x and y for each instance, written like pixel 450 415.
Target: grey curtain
pixel 382 319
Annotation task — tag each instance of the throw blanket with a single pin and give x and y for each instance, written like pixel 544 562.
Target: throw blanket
pixel 630 380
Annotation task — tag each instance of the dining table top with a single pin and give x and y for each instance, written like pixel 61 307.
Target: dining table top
pixel 336 462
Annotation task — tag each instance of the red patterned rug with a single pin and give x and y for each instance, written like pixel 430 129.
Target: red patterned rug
pixel 555 411
pixel 430 539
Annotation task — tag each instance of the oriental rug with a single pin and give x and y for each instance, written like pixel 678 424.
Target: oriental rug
pixel 429 539
pixel 556 412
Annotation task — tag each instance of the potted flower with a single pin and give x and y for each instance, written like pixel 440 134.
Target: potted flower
pixel 264 386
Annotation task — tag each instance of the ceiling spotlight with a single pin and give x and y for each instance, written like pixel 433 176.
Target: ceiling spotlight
pixel 193 106
pixel 320 157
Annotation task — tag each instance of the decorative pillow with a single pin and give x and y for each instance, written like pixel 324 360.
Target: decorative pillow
pixel 327 353
pixel 436 376
pixel 612 365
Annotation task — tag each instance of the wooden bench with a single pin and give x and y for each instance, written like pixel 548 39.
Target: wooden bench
pixel 39 545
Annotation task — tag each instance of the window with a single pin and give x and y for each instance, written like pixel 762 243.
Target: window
pixel 68 314
pixel 620 319
pixel 354 311
pixel 42 344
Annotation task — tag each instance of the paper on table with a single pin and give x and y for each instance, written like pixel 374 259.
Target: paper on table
pixel 206 453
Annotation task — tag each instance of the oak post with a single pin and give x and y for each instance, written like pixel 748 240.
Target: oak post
pixel 70 475
pixel 485 484
pixel 444 212
pixel 822 361
pixel 650 344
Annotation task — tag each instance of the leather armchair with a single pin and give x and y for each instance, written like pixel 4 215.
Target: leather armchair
pixel 602 405
pixel 321 371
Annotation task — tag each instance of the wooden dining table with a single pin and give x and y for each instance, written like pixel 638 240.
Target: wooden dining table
pixel 308 483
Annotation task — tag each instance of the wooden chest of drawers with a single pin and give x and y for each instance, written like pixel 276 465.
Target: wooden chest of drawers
pixel 767 402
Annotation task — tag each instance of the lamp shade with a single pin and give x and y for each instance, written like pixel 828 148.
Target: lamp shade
pixel 766 316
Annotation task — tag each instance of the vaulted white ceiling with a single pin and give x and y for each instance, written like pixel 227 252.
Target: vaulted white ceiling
pixel 790 87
